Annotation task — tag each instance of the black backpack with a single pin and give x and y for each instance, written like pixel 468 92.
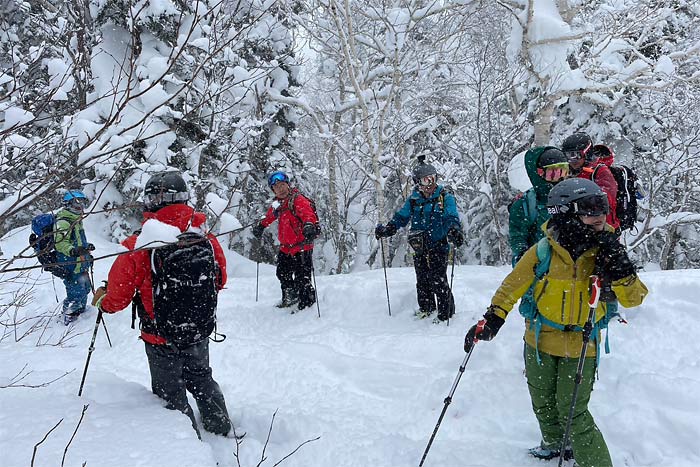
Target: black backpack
pixel 184 289
pixel 626 195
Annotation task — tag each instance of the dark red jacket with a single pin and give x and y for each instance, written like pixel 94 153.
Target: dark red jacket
pixel 131 272
pixel 290 223
pixel 606 181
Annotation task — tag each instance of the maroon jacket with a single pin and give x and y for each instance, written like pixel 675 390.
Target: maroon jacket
pixel 131 272
pixel 290 223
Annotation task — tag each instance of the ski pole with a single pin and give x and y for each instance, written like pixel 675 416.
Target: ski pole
pixel 587 328
pixel 452 278
pixel 448 399
pixel 386 281
pixel 92 285
pixel 90 350
pixel 313 272
pixel 313 275
pixel 257 275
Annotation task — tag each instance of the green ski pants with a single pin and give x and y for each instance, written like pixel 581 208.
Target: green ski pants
pixel 551 385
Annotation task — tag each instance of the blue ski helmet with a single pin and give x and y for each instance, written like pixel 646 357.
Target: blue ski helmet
pixel 276 177
pixel 75 201
pixel 73 194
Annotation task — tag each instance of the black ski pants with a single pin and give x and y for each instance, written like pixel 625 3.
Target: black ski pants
pixel 432 283
pixel 174 371
pixel 294 273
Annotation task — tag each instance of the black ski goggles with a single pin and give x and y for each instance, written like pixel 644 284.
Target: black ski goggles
pixel 592 206
pixel 162 199
pixel 577 155
pixel 596 205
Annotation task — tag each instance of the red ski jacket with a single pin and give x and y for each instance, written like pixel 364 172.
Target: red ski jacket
pixel 131 272
pixel 291 221
pixel 605 180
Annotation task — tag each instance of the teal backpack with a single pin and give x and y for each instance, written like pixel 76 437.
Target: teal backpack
pixel 528 306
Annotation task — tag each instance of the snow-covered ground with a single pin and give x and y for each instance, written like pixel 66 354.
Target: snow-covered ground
pixel 370 385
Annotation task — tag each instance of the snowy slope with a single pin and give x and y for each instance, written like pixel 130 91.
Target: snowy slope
pixel 370 385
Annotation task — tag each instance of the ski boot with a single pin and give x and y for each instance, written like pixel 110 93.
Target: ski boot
pixel 288 299
pixel 69 318
pixel 422 314
pixel 544 452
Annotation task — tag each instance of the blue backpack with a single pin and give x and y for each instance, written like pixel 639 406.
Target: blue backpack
pixel 528 306
pixel 42 240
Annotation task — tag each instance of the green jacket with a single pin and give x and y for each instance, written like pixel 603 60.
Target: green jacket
pixel 523 232
pixel 69 234
pixel 562 296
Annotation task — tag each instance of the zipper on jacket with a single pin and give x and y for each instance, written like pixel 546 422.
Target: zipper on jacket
pixel 563 305
pixel 572 309
pixel 580 306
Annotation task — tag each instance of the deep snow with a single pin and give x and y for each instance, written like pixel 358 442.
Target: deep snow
pixel 370 385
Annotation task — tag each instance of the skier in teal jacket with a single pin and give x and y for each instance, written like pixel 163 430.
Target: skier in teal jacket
pixel 431 210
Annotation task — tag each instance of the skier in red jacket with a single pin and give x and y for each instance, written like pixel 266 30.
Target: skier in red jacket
pixel 586 163
pixel 297 228
pixel 175 369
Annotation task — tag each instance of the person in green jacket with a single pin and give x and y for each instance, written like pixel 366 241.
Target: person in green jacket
pixel 73 251
pixel 545 166
pixel 581 244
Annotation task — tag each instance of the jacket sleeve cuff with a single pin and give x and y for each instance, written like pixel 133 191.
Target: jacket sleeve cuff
pixel 498 311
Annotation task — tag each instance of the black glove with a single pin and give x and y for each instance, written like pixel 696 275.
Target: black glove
pixel 455 237
pixel 385 230
pixel 90 247
pixel 612 261
pixel 78 251
pixel 485 330
pixel 310 231
pixel 258 230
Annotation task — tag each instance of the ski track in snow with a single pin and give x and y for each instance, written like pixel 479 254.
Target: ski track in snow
pixel 370 385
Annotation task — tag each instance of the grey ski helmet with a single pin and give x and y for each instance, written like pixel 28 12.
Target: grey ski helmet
pixel 578 196
pixel 163 189
pixel 422 169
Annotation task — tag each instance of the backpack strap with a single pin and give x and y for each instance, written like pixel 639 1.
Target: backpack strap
pixel 544 259
pixel 530 205
pixel 595 172
pixel 290 205
pixel 440 200
pixel 625 178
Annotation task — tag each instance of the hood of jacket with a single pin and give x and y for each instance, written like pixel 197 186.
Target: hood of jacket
pixel 541 185
pixel 181 216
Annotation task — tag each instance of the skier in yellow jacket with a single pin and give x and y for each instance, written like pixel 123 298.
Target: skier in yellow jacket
pixel 581 244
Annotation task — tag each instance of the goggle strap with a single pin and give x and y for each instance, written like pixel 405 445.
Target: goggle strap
pixel 160 198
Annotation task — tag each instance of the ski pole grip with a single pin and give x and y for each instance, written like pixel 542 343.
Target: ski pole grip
pixel 595 291
pixel 479 328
